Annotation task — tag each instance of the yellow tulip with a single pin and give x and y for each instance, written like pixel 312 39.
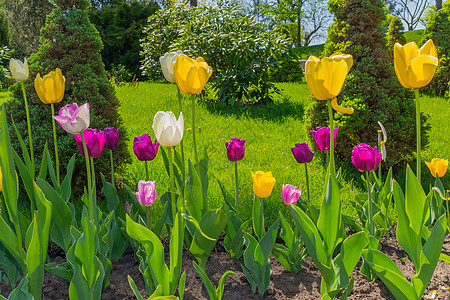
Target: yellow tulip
pixel 415 67
pixel 50 88
pixel 263 184
pixel 190 74
pixel 438 166
pixel 325 77
pixel 18 69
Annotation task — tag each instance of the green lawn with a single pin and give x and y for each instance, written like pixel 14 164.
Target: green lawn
pixel 269 132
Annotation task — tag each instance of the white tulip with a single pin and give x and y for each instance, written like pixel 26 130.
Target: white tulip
pixel 382 142
pixel 18 69
pixel 168 130
pixel 166 62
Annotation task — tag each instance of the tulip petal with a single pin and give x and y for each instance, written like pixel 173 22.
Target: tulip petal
pixel 421 70
pixel 400 65
pixel 333 73
pixel 431 168
pixel 344 110
pixel 181 68
pixel 38 86
pixel 428 49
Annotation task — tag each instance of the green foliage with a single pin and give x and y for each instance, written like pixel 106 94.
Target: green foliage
pixel 288 70
pixel 239 48
pixel 437 30
pixel 395 33
pixel 4 28
pixel 70 42
pixel 120 28
pixel 214 294
pixel 371 87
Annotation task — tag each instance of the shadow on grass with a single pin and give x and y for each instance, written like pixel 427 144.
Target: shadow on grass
pixel 277 111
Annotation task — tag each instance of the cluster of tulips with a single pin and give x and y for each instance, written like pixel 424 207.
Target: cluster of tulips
pixel 101 236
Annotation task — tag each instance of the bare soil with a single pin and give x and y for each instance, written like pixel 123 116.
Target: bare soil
pixel 284 285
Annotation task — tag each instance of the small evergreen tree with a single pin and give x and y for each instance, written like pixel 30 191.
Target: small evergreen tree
pixel 395 34
pixel 70 42
pixel 438 29
pixel 371 87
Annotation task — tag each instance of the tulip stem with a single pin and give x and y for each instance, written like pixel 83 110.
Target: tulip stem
pixel 182 144
pixel 94 187
pixel 261 216
pixel 147 212
pixel 89 178
pixel 370 217
pixel 112 167
pixel 193 135
pixel 30 139
pixel 237 187
pixel 172 184
pixel 418 134
pixel 56 144
pixel 379 150
pixel 330 113
pixel 307 187
pixel 447 197
pixel 146 170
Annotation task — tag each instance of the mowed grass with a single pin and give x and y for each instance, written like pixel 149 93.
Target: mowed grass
pixel 270 133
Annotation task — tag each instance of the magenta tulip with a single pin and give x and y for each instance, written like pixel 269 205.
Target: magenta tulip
pixel 366 158
pixel 146 194
pixel 302 153
pixel 322 137
pixel 235 149
pixel 127 207
pixel 112 137
pixel 290 194
pixel 143 147
pixel 74 119
pixel 95 142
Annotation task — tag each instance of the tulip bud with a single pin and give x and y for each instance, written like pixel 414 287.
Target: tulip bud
pixel 190 74
pixel 263 183
pixel 366 158
pixel 95 142
pixel 50 88
pixel 73 119
pixel 146 194
pixel 166 62
pixel 235 149
pixel 143 147
pixel 438 167
pixel 290 194
pixel 168 130
pixel 18 69
pixel 127 207
pixel 112 137
pixel 322 137
pixel 302 153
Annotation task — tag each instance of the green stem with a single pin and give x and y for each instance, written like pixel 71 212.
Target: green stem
pixel 112 166
pixel 29 126
pixel 370 217
pixel 146 171
pixel 330 114
pixel 56 144
pixel 261 216
pixel 379 151
pixel 193 134
pixel 182 144
pixel 447 196
pixel 94 193
pixel 237 187
pixel 172 184
pixel 88 171
pixel 418 134
pixel 307 187
pixel 147 212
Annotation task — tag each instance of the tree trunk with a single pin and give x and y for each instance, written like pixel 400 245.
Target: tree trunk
pixel 438 4
pixel 299 28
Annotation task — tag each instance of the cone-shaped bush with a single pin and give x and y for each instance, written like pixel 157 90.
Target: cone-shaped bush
pixel 69 42
pixel 371 87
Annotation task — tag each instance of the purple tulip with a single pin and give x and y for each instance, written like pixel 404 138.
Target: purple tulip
pixel 74 119
pixel 127 207
pixel 290 194
pixel 235 149
pixel 143 147
pixel 302 153
pixel 322 137
pixel 146 194
pixel 112 137
pixel 366 158
pixel 95 142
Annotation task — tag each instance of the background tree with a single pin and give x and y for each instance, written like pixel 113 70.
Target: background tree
pixel 70 42
pixel 26 18
pixel 409 11
pixel 371 87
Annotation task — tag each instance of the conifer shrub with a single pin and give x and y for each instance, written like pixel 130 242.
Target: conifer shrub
pixel 438 29
pixel 395 34
pixel 69 42
pixel 371 87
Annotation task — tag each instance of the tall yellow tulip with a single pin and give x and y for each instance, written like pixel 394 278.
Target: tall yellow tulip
pixel 415 67
pixel 325 77
pixel 190 74
pixel 50 88
pixel 263 183
pixel 438 167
